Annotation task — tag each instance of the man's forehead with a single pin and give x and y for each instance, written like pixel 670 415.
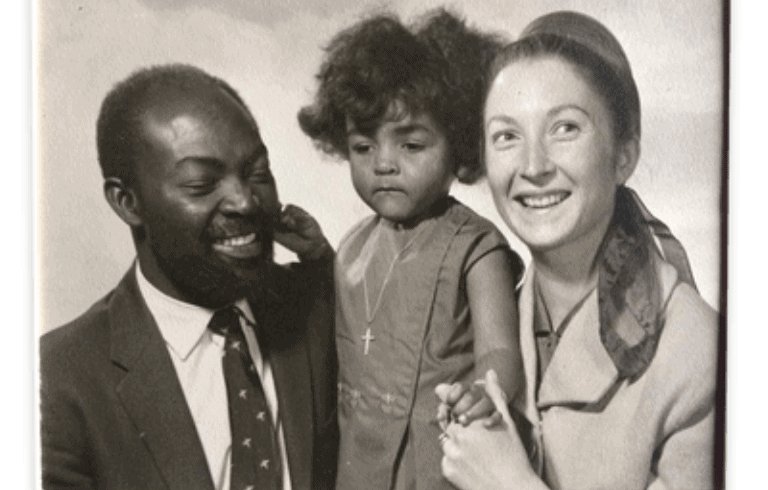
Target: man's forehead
pixel 181 110
pixel 208 98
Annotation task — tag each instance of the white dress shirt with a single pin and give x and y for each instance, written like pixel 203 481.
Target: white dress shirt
pixel 196 354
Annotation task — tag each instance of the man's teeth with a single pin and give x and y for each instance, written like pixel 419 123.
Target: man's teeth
pixel 238 241
pixel 543 201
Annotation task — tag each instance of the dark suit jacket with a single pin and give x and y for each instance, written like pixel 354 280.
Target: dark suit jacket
pixel 113 414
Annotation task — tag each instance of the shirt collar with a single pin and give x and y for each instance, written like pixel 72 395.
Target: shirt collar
pixel 182 325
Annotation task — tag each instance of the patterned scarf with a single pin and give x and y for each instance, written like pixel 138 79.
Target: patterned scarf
pixel 629 292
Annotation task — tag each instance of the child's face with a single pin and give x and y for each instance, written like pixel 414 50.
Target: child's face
pixel 403 168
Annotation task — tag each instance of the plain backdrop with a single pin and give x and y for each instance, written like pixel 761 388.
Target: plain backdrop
pixel 270 51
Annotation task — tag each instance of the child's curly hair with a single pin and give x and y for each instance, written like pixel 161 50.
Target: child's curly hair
pixel 437 66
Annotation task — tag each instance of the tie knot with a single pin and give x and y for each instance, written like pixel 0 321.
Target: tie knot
pixel 225 321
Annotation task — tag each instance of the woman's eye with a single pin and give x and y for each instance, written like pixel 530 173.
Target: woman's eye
pixel 502 139
pixel 566 129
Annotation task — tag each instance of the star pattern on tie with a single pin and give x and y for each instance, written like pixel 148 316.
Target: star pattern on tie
pixel 255 460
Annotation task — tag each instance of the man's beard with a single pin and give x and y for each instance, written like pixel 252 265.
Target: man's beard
pixel 214 283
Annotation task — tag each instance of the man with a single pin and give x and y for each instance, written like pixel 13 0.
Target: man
pixel 135 393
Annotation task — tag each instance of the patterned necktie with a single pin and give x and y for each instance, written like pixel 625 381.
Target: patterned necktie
pixel 255 454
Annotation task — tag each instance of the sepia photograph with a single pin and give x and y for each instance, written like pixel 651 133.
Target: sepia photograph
pixel 399 244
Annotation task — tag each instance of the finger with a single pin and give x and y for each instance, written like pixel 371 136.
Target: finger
pixel 468 400
pixel 481 409
pixel 442 390
pixel 287 222
pixel 298 215
pixel 295 210
pixel 449 444
pixel 494 420
pixel 455 393
pixel 443 412
pixel 497 395
pixel 442 438
pixel 290 215
pixel 453 431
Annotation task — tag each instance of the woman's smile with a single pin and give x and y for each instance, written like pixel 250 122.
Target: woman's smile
pixel 542 200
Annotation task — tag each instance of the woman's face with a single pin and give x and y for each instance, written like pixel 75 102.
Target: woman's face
pixel 552 161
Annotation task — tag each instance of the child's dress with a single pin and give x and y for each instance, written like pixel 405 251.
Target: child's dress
pixel 403 327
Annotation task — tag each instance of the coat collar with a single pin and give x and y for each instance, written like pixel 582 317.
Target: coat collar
pixel 614 334
pixel 151 393
pixel 581 370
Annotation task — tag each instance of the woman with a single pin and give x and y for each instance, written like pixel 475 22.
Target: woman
pixel 619 349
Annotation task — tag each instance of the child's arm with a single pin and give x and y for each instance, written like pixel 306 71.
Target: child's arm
pixel 490 286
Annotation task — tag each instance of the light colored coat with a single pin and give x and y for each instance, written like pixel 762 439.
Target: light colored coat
pixel 595 431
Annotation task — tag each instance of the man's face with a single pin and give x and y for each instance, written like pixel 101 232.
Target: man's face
pixel 206 198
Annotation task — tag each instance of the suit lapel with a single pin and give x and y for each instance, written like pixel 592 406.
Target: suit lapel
pixel 294 393
pixel 151 393
pixel 289 359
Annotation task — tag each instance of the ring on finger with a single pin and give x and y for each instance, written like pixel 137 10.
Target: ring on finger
pixel 442 437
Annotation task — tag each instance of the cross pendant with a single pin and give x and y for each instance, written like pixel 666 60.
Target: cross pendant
pixel 367 338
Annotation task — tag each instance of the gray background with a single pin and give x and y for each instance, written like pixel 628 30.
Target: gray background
pixel 270 50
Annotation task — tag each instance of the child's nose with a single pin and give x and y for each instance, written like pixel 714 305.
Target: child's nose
pixel 384 162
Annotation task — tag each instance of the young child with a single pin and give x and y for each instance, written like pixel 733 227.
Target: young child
pixel 425 287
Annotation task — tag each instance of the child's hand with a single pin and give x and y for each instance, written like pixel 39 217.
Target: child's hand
pixel 464 403
pixel 300 233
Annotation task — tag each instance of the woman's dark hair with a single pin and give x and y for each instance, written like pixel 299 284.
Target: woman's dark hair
pixel 620 95
pixel 436 66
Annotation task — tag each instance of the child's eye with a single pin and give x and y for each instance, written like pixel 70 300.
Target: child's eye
pixel 361 148
pixel 413 146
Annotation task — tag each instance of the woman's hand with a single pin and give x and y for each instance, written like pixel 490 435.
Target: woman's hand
pixel 300 233
pixel 480 458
